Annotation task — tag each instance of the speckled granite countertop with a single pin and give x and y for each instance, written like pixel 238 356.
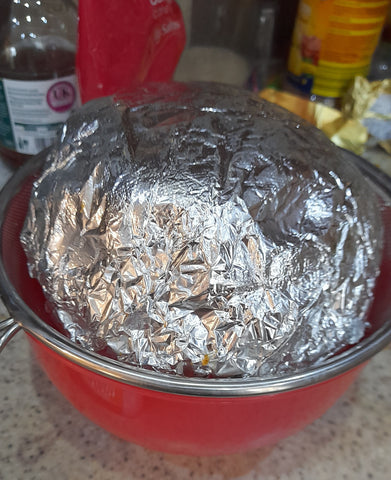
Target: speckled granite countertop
pixel 43 437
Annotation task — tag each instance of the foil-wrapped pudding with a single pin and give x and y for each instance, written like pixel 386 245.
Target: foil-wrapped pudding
pixel 196 229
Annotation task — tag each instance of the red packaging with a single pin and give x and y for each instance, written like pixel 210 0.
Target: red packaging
pixel 123 43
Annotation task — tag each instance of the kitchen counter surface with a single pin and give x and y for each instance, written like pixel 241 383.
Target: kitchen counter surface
pixel 43 437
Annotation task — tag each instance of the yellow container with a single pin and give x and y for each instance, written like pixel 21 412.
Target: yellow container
pixel 333 41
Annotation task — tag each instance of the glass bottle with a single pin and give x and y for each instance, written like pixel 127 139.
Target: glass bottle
pixel 38 88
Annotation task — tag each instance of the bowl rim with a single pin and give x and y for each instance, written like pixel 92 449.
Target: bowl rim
pixel 169 383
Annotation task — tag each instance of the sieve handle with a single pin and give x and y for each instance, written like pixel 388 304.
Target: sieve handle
pixel 8 328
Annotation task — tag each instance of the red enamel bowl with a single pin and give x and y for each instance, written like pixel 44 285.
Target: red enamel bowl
pixel 170 413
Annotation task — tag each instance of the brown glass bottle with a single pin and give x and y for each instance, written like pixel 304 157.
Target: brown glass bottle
pixel 37 50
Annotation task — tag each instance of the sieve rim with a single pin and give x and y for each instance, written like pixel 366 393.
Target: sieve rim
pixel 169 383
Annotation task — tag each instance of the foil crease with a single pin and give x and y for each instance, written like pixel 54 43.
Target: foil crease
pixel 196 229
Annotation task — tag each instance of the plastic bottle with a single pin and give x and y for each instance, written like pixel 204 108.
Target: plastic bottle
pixel 38 87
pixel 333 41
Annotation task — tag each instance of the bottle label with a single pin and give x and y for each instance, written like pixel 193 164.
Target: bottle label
pixel 333 41
pixel 32 112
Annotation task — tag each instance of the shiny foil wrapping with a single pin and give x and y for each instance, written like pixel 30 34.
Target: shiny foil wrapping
pixel 196 229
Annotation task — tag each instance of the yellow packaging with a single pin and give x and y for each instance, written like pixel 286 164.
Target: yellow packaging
pixel 333 41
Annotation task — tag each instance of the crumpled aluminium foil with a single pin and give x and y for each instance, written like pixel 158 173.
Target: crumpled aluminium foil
pixel 198 230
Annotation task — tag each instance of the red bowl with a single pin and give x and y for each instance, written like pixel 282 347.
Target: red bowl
pixel 166 412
